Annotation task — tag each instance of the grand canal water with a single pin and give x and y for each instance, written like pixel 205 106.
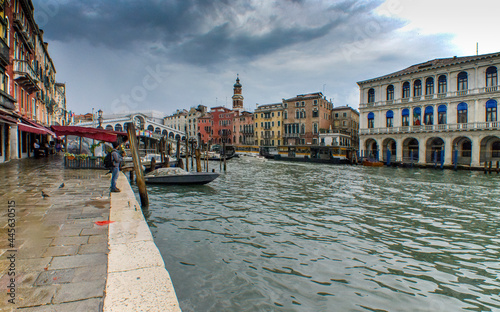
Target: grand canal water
pixel 278 236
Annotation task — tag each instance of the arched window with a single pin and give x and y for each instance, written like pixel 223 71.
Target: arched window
pixel 462 113
pixel 118 127
pixel 371 95
pixel 151 128
pixel 406 90
pixel 390 93
pixel 416 116
pixel 389 115
pixel 429 115
pixel 442 114
pixel 405 117
pixel 303 129
pixel 371 118
pixel 285 115
pixel 303 114
pixel 315 128
pixel 315 112
pixel 442 84
pixel 417 88
pixel 462 81
pixel 158 130
pixel 491 110
pixel 297 114
pixel 164 133
pixel 491 76
pixel 429 86
pixel 109 127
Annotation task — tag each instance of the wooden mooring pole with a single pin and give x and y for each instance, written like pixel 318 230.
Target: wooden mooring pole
pixel 178 155
pixel 198 160
pixel 141 184
pixel 224 149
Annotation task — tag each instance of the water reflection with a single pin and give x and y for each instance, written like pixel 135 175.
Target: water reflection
pixel 271 236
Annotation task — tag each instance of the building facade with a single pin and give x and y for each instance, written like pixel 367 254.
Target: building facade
pixel 243 126
pixel 28 99
pixel 304 116
pixel 440 111
pixel 205 129
pixel 222 125
pixel 192 118
pixel 345 120
pixel 177 120
pixel 269 125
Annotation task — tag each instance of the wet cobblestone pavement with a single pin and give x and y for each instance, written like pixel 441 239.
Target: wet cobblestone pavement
pixel 56 251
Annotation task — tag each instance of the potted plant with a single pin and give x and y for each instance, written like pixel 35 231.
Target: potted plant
pixel 69 156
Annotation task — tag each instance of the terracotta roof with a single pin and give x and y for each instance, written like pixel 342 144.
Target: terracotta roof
pixel 306 96
pixel 345 107
pixel 433 64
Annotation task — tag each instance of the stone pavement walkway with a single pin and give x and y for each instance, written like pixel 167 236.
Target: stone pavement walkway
pixel 57 251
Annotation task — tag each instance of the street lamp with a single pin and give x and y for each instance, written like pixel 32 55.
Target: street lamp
pixel 100 119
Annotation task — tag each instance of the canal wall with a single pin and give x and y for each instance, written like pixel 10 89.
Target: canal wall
pixel 137 279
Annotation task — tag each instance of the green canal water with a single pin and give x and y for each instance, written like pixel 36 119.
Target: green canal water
pixel 278 236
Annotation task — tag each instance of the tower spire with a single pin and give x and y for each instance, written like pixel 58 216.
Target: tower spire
pixel 237 95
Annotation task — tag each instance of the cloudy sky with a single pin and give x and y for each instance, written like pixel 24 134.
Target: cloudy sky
pixel 163 55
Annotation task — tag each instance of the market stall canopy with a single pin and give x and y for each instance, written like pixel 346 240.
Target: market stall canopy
pixel 27 125
pixel 7 118
pixel 91 133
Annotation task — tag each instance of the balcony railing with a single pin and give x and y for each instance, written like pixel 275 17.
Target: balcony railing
pixel 291 135
pixel 434 96
pixel 25 76
pixel 25 68
pixel 491 125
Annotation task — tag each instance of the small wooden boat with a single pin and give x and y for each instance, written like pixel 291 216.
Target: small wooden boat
pixel 177 176
pixel 372 163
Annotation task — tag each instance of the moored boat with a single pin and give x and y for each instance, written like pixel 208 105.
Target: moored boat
pixel 372 163
pixel 177 176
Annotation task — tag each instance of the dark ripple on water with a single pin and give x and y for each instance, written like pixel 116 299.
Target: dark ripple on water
pixel 273 236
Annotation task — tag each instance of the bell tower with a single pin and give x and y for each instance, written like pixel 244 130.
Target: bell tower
pixel 237 97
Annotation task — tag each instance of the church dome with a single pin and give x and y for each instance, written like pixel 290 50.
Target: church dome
pixel 237 84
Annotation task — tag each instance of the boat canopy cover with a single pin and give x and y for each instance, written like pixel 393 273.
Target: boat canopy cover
pixel 91 133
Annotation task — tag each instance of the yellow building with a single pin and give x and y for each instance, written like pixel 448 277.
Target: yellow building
pixel 268 125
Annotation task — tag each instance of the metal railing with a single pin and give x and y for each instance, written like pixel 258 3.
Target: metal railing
pixel 492 125
pixel 433 96
pixel 24 67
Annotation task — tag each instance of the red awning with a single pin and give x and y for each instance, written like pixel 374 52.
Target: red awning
pixel 7 118
pixel 91 133
pixel 32 127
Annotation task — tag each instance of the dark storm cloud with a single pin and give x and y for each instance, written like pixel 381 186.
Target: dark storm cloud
pixel 202 32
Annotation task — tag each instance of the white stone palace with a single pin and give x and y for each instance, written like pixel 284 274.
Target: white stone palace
pixel 440 111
